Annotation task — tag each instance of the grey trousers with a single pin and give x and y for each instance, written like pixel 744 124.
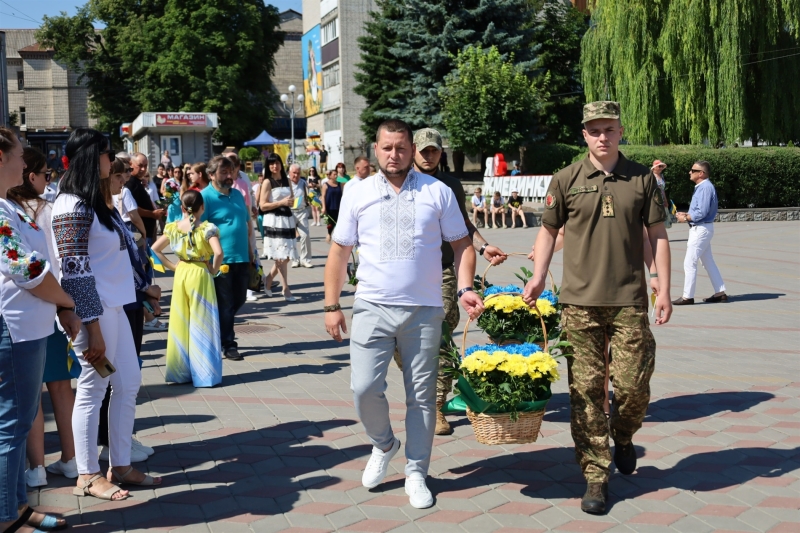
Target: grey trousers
pixel 416 331
pixel 301 220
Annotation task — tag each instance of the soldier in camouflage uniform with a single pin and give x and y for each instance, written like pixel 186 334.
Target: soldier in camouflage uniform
pixel 607 200
pixel 426 160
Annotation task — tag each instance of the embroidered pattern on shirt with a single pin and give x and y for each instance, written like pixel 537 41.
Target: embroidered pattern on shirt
pixel 84 292
pixel 76 266
pixel 71 232
pixel 16 258
pixel 398 220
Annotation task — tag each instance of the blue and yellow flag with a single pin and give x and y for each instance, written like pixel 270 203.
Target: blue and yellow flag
pixel 158 266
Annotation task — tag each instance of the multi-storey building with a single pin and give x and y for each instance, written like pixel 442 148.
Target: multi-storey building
pixel 288 71
pixel 47 98
pixel 330 52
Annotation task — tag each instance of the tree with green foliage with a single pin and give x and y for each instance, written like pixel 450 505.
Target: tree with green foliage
pixel 377 66
pixel 488 102
pixel 719 70
pixel 557 31
pixel 429 35
pixel 168 55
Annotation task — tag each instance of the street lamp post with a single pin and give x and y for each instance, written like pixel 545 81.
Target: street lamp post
pixel 291 111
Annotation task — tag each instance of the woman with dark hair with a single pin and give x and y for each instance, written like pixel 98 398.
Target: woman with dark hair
pixel 30 299
pixel 275 200
pixel 35 178
pixel 96 271
pixel 193 345
pixel 331 197
pixel 341 173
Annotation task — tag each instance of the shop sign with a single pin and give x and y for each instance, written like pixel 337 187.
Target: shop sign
pixel 180 119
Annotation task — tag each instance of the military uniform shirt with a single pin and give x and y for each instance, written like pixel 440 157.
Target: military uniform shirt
pixel 448 257
pixel 603 245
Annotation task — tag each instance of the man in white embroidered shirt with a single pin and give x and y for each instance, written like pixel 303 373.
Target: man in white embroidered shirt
pixel 399 219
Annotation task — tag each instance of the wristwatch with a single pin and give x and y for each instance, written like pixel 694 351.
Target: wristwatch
pixel 331 308
pixel 483 248
pixel 59 309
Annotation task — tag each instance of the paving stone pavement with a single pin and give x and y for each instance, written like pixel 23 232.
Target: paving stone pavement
pixel 277 446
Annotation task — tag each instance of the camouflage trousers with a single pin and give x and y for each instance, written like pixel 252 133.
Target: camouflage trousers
pixel 631 364
pixel 444 383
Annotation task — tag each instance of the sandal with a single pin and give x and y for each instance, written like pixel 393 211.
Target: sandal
pixel 20 522
pixel 148 481
pixel 48 523
pixel 83 490
pixel 155 325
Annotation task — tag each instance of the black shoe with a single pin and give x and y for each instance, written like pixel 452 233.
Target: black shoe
pixel 683 301
pixel 716 299
pixel 625 458
pixel 594 501
pixel 233 354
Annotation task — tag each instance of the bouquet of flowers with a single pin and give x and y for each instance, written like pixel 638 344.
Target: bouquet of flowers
pixel 508 318
pixel 171 192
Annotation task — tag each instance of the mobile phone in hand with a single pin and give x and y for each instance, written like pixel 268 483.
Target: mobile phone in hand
pixel 104 367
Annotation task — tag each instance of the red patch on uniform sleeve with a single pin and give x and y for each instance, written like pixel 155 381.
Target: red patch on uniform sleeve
pixel 550 201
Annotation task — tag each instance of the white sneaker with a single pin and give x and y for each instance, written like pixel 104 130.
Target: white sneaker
pixel 36 477
pixel 418 494
pixel 377 465
pixel 307 264
pixel 251 297
pixel 137 456
pixel 295 264
pixel 136 444
pixel 68 469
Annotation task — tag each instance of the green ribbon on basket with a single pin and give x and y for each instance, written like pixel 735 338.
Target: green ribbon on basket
pixel 470 399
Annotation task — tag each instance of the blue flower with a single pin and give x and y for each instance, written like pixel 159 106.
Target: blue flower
pixel 548 295
pixel 495 289
pixel 522 349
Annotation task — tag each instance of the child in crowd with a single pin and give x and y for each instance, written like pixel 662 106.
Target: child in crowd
pixel 498 206
pixel 478 206
pixel 193 344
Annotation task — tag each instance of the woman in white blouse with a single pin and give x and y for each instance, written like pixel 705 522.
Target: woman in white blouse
pixel 96 271
pixel 30 297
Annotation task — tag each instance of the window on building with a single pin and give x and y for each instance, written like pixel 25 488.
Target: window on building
pixel 333 120
pixel 20 80
pixel 22 121
pixel 330 31
pixel 330 76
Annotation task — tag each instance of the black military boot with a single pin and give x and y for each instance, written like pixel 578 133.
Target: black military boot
pixel 594 501
pixel 625 458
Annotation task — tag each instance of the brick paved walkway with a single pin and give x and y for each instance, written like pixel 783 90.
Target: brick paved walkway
pixel 277 446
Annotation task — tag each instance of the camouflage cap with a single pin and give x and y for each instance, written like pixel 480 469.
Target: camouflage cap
pixel 428 137
pixel 601 109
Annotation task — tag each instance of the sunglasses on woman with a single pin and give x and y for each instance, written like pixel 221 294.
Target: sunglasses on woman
pixel 111 156
pixel 48 175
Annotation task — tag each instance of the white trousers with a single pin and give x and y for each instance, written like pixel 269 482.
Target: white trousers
pixel 301 217
pixel 699 247
pixel 121 352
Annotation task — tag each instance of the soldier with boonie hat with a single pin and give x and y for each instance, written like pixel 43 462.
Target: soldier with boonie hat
pixel 427 137
pixel 608 201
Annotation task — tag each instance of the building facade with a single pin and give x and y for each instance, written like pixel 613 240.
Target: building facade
pixel 288 71
pixel 48 99
pixel 331 29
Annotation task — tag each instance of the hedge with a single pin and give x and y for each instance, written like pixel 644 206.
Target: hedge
pixel 743 177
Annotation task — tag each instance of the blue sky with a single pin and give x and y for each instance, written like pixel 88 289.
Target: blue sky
pixel 16 14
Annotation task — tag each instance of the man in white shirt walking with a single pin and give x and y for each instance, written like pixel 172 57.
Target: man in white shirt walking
pixel 300 212
pixel 362 173
pixel 399 219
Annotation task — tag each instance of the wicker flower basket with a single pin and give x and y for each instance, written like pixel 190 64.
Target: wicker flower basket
pixel 498 428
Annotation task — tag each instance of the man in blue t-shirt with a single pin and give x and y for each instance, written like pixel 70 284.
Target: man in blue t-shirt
pixel 226 209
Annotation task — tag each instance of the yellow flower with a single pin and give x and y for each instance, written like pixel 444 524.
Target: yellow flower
pixel 543 306
pixel 224 269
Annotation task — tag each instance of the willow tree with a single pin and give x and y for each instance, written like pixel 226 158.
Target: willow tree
pixel 697 70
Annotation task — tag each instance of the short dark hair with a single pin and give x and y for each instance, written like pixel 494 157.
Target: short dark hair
pixel 359 159
pixel 705 166
pixel 219 162
pixel 234 158
pixel 395 126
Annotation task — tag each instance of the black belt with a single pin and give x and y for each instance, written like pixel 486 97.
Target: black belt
pixel 445 266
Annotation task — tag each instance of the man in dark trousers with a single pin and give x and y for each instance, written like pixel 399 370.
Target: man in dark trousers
pixel 603 201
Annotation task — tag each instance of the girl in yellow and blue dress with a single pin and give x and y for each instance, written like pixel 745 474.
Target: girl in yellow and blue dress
pixel 194 351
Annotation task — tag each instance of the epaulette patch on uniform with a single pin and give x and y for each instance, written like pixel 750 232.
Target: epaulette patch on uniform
pixel 578 190
pixel 550 201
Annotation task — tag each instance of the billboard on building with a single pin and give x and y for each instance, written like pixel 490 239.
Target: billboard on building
pixel 312 71
pixel 180 119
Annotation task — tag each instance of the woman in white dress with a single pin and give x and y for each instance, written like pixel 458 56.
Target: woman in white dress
pixel 275 201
